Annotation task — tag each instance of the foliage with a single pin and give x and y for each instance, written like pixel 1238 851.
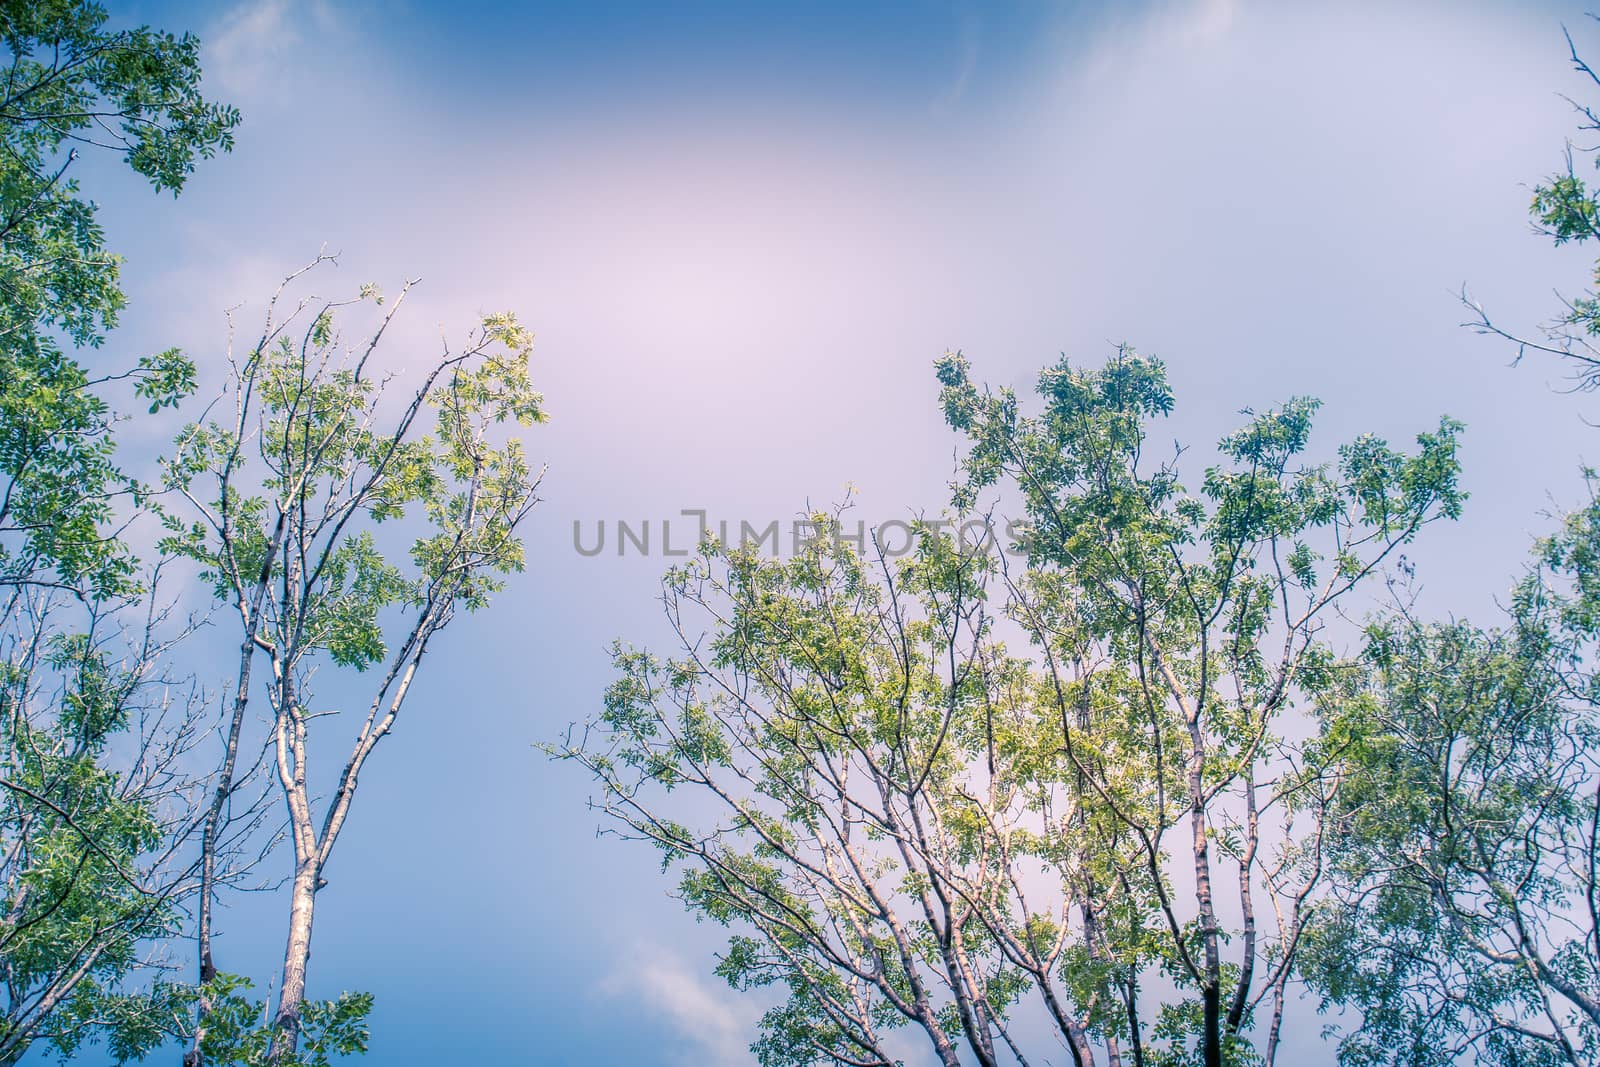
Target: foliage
pixel 94 726
pixel 94 735
pixel 345 526
pixel 919 828
pixel 73 83
pixel 1565 209
pixel 1465 923
pixel 238 1033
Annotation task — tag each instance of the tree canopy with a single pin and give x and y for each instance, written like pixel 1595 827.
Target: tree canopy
pixel 921 826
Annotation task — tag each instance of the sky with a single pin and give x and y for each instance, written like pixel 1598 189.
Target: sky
pixel 742 233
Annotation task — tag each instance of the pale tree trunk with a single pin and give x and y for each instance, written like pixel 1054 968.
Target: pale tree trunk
pixel 1274 1033
pixel 304 423
pixel 250 613
pixel 292 993
pixel 1211 981
pixel 193 1057
pixel 1210 977
pixel 308 859
pixel 1247 908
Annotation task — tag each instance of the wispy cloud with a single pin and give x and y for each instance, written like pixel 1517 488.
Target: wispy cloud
pixel 1139 33
pixel 1205 21
pixel 969 40
pixel 716 1025
pixel 250 47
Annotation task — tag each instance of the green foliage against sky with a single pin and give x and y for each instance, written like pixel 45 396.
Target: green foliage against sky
pixel 72 85
pixel 1119 784
pixel 1464 918
pixel 344 521
pixel 92 790
pixel 1116 795
pixel 921 827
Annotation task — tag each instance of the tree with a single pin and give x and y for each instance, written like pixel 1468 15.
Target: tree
pixel 287 497
pixel 97 795
pixel 1463 921
pixel 919 828
pixel 1214 606
pixel 71 84
pixel 1465 918
pixel 1564 209
pixel 98 778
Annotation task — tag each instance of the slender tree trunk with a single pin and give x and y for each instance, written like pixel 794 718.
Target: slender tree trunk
pixel 251 617
pixel 1211 1001
pixel 1211 976
pixel 1091 938
pixel 192 1056
pixel 1247 961
pixel 968 994
pixel 1276 1029
pixel 1211 982
pixel 1135 1037
pixel 1077 1041
pixel 292 990
pixel 1086 890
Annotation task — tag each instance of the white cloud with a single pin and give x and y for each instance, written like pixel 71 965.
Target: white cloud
pixel 251 46
pixel 717 1025
pixel 1205 21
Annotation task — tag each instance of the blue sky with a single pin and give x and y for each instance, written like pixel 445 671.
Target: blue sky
pixel 742 233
